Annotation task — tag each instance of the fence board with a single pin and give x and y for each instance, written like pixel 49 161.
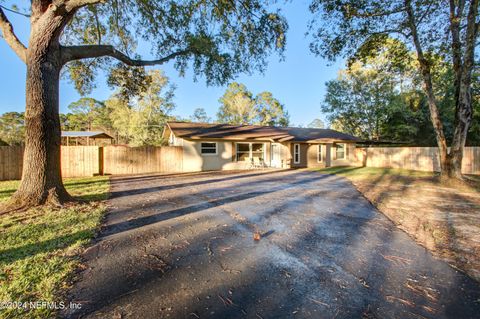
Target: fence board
pixel 142 160
pixel 414 158
pixel 11 162
pixel 78 161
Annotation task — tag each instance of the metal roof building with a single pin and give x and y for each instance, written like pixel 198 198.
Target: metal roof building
pixel 84 137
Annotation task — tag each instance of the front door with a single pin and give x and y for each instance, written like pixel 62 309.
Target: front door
pixel 276 156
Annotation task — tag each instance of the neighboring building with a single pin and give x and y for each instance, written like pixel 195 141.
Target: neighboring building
pixel 86 138
pixel 225 147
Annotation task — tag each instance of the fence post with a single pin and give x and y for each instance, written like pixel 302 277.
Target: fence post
pixel 100 160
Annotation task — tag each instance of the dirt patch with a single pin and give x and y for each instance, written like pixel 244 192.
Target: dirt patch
pixel 446 220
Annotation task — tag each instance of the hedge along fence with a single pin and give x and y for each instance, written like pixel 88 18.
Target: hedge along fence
pixel 414 158
pixel 82 161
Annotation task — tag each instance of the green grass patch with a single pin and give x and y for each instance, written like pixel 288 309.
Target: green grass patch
pixel 372 172
pixel 402 176
pixel 39 247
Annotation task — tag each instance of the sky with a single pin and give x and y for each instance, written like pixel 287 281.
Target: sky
pixel 298 81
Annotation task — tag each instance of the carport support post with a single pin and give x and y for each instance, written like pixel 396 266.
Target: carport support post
pixel 328 154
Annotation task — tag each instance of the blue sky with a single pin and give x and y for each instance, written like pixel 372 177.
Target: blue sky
pixel 298 81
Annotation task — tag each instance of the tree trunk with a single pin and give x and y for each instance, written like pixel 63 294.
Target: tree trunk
pixel 424 64
pixel 463 82
pixel 41 177
pixel 463 117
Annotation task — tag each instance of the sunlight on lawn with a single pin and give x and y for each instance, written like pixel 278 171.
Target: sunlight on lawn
pixel 365 172
pixel 38 246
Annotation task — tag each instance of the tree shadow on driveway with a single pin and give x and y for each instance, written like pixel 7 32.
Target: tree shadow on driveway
pixel 329 254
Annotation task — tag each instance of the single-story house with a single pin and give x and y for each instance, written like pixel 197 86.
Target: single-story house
pixel 225 147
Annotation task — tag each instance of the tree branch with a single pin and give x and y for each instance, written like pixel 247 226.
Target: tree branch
pixel 71 5
pixel 16 12
pixel 72 53
pixel 455 18
pixel 10 37
pixel 367 14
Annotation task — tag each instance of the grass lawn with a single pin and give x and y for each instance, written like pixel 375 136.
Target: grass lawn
pixel 373 172
pixel 443 218
pixel 38 247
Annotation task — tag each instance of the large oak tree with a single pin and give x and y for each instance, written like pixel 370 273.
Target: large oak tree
pixel 445 30
pixel 216 38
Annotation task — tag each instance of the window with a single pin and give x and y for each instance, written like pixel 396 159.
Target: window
pixel 319 153
pixel 243 151
pixel 296 153
pixel 172 139
pixel 257 151
pixel 340 151
pixel 208 148
pixel 247 151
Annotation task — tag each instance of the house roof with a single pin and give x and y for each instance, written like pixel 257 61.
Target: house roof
pixel 241 132
pixel 93 134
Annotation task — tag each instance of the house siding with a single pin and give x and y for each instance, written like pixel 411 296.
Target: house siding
pixel 303 155
pixel 308 155
pixel 312 156
pixel 194 161
pixel 225 159
pixel 349 156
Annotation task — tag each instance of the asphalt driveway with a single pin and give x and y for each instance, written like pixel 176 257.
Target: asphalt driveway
pixel 181 246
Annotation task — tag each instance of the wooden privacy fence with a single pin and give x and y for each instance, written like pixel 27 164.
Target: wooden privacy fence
pixel 414 158
pixel 79 161
pixel 141 160
pixel 82 161
pixel 11 162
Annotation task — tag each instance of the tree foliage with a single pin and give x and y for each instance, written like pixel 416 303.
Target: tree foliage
pixel 380 100
pixel 270 111
pixel 86 114
pixel 218 39
pixel 239 106
pixel 140 120
pixel 316 123
pixel 135 120
pixel 200 116
pixel 437 30
pixel 12 128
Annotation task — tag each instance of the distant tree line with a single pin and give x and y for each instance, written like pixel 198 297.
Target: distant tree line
pixel 133 115
pixel 137 112
pixel 239 106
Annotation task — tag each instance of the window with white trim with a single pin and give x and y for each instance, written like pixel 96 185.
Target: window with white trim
pixel 248 151
pixel 340 149
pixel 208 148
pixel 319 153
pixel 243 151
pixel 296 153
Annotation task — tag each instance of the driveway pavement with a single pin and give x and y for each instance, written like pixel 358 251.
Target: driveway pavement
pixel 181 246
